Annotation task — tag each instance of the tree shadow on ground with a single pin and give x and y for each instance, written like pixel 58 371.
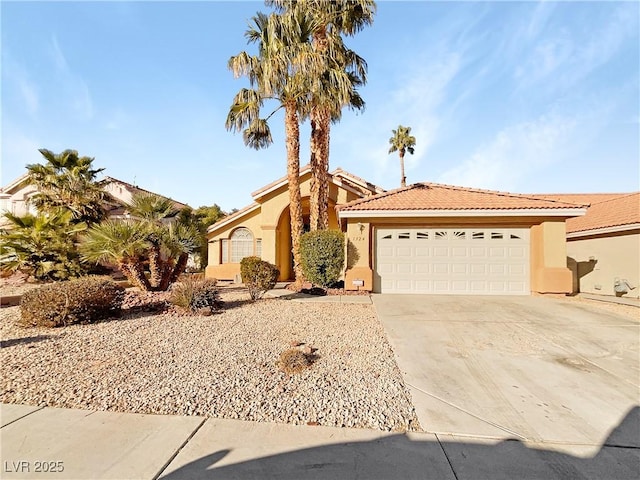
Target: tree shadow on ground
pixel 24 340
pixel 401 457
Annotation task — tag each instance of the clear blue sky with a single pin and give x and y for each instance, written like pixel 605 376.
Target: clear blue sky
pixel 524 97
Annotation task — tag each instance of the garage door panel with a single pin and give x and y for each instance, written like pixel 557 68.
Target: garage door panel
pixel 441 251
pixel 422 268
pixel 456 260
pixel 458 268
pixel 478 268
pixel 404 268
pixel 440 268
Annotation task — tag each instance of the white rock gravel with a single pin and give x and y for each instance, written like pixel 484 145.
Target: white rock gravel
pixel 223 365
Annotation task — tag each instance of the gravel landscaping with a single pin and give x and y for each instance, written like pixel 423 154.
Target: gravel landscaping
pixel 224 365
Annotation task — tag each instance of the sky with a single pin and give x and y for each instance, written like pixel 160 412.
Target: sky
pixel 526 97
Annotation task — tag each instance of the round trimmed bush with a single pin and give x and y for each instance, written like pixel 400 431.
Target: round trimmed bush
pixel 83 300
pixel 322 254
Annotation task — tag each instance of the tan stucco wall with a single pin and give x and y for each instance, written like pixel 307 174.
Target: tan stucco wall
pixel 271 223
pixel 597 261
pixel 549 272
pixel 229 271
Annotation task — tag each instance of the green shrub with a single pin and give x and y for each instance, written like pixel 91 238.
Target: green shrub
pixel 322 256
pixel 258 276
pixel 83 300
pixel 194 293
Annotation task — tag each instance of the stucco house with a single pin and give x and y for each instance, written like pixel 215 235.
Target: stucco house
pixel 423 238
pixel 263 227
pixel 14 197
pixel 603 246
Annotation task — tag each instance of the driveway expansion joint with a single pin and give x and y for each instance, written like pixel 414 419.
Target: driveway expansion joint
pixel 489 422
pixel 179 449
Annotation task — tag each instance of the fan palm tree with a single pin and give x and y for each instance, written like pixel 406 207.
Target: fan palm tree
pixel 402 142
pixel 272 76
pixel 67 181
pixel 153 212
pixel 150 235
pixel 41 245
pixel 121 242
pixel 337 75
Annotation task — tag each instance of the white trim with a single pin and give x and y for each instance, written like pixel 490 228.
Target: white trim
pixel 341 184
pixel 525 212
pixel 599 231
pixel 261 193
pixel 232 218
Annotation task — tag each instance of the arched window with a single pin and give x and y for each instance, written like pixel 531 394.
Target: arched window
pixel 241 244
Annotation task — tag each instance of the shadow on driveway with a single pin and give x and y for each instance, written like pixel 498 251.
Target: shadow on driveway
pixel 398 456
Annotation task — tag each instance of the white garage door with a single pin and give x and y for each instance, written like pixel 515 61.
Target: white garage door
pixel 480 261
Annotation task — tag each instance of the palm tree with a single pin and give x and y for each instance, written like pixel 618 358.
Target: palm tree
pixel 273 76
pixel 121 242
pixel 153 212
pixel 337 74
pixel 401 142
pixel 41 245
pixel 68 182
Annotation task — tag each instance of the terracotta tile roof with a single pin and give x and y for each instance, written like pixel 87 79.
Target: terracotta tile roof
pixel 434 196
pixel 605 210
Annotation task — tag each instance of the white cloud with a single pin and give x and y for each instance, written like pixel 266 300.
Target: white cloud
pixel 515 153
pixel 565 59
pixel 420 103
pixel 30 96
pixel 76 91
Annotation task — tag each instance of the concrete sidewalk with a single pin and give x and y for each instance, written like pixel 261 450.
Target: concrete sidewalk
pixel 77 444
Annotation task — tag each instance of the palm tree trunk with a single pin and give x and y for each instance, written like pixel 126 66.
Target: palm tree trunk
pixel 155 265
pixel 135 274
pixel 180 267
pixel 320 124
pixel 292 134
pixel 403 179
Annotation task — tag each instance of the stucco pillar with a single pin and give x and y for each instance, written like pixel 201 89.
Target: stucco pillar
pixel 213 258
pixel 269 243
pixel 549 272
pixel 359 275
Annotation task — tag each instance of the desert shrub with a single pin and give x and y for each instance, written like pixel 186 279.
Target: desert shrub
pixel 293 361
pixel 258 276
pixel 195 293
pixel 322 256
pixel 83 300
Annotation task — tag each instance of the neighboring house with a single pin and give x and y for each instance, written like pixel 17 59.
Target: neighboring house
pixel 603 247
pixel 263 228
pixel 424 238
pixel 14 198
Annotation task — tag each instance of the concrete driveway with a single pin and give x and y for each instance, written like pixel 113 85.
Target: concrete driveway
pixel 537 369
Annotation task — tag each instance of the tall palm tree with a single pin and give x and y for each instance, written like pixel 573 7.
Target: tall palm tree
pixel 68 182
pixel 272 76
pixel 402 141
pixel 337 74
